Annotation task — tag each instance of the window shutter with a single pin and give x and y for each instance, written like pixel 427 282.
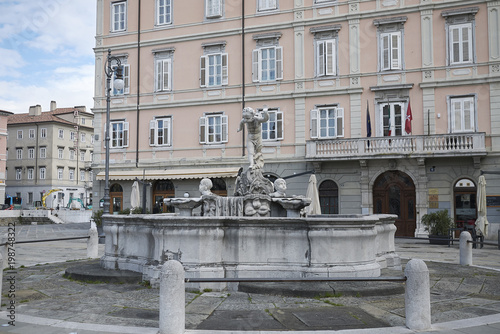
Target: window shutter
pixel 203 71
pixel 159 75
pixel 384 52
pixel 152 126
pixel 166 74
pixel 225 72
pixel 314 123
pixel 125 134
pixel 126 79
pixel 255 65
pixel 166 131
pixel 279 125
pixel 203 130
pixel 224 128
pixel 279 63
pixel 330 53
pixel 454 45
pixel 396 51
pixel 320 60
pixel 467 43
pixel 340 122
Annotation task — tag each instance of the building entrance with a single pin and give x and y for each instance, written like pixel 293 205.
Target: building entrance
pixel 394 193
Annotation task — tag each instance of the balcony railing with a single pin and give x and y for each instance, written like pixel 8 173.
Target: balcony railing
pixel 463 144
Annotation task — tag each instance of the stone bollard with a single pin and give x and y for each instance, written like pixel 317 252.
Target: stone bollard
pixel 465 249
pixel 417 296
pixel 172 298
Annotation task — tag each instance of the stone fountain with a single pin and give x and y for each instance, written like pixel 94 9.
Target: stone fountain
pixel 258 232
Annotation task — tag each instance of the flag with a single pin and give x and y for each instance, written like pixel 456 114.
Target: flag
pixel 390 127
pixel 409 117
pixel 368 122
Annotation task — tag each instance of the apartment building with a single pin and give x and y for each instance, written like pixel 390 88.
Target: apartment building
pixel 51 150
pixel 393 104
pixel 3 150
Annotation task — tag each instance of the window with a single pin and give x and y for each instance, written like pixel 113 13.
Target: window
pixel 160 131
pixel 163 12
pixel 82 136
pixel 82 155
pixel 43 152
pixel 267 64
pixel 119 16
pixel 61 134
pixel 392 120
pixel 31 153
pixel 91 175
pixel 119 134
pixel 72 136
pixel 213 8
pixel 43 133
pixel 60 172
pixel 460 44
pixel 19 153
pixel 126 80
pixel 83 121
pixel 213 129
pixel 214 70
pixel 462 114
pixel 92 156
pixel 267 5
pixel 71 154
pixel 31 133
pixel 71 174
pixel 19 134
pixel 163 75
pixel 60 153
pixel 326 58
pixel 82 174
pixel 30 173
pixel 43 172
pixel 91 138
pixel 30 198
pixel 327 122
pixel 19 173
pixel 390 51
pixel 273 128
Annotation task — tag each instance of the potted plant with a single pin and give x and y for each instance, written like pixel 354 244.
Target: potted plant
pixel 438 224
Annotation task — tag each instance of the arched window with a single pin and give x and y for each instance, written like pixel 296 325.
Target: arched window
pixel 329 197
pixel 163 189
pixel 219 186
pixel 465 203
pixel 116 198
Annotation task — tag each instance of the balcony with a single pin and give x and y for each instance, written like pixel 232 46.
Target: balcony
pixel 445 145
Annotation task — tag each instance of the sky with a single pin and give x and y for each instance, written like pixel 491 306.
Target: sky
pixel 46 53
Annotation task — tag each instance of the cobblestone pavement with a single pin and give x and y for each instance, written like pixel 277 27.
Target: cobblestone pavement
pixel 44 297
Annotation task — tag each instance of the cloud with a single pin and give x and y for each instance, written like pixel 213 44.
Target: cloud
pixel 68 88
pixel 11 62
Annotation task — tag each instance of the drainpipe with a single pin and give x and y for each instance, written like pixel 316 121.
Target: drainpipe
pixel 243 71
pixel 138 82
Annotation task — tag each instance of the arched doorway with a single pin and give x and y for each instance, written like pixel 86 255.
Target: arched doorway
pixel 329 197
pixel 116 198
pixel 219 186
pixel 394 193
pixel 163 189
pixel 464 193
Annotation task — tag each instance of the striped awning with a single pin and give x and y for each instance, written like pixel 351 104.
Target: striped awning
pixel 170 174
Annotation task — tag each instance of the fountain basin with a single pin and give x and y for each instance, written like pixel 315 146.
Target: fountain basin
pixel 329 246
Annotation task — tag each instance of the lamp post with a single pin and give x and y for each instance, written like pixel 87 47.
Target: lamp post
pixel 109 70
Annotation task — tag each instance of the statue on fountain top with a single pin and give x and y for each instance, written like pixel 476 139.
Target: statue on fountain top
pixel 253 119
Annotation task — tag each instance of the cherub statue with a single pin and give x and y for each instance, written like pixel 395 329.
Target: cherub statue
pixel 253 119
pixel 279 188
pixel 205 186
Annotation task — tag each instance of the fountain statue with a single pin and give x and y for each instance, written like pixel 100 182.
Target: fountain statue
pixel 258 232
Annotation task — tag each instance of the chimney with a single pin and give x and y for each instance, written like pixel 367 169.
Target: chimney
pixel 53 105
pixel 35 110
pixel 81 108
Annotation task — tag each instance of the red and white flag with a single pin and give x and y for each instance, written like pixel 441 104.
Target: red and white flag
pixel 409 117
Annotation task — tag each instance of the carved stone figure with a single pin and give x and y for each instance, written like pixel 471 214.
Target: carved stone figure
pixel 279 188
pixel 253 120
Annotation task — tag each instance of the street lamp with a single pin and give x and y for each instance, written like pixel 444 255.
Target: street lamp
pixel 117 84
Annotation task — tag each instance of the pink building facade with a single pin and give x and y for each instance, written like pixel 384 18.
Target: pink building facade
pixel 393 104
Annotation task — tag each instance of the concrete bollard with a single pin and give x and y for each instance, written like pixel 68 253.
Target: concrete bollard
pixel 93 242
pixel 417 296
pixel 465 249
pixel 172 298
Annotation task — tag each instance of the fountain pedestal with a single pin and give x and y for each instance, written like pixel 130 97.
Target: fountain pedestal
pixel 184 205
pixel 292 205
